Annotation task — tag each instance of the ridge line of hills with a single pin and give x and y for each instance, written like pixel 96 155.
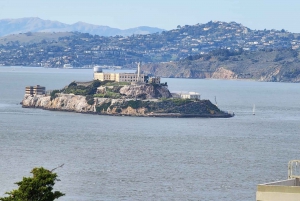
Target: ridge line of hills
pixel 212 50
pixel 35 24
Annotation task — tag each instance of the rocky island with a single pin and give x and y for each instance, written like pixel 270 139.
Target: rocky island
pixel 120 99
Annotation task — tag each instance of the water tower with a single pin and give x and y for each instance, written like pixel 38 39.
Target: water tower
pixel 98 69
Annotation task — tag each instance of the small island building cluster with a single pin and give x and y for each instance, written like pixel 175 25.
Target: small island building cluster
pixel 134 77
pixel 131 76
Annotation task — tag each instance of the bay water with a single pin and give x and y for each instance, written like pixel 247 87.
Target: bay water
pixel 135 158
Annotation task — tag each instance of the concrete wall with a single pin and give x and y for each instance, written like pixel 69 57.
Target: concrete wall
pixel 289 182
pixel 287 190
pixel 273 196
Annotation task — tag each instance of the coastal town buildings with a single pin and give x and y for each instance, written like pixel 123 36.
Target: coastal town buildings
pixel 81 50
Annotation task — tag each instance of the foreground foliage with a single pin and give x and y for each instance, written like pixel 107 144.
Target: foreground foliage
pixel 36 188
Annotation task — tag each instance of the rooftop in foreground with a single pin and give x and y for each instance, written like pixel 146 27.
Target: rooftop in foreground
pixel 286 190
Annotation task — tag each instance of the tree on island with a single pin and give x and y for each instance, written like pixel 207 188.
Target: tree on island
pixel 36 188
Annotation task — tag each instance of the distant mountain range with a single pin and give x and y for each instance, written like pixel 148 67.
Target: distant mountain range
pixel 34 24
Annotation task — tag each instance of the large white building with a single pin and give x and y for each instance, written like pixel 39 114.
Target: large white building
pixel 119 75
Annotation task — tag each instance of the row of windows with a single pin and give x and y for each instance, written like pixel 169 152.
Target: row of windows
pixel 127 77
pixel 131 77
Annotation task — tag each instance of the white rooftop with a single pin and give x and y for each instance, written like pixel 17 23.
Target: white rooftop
pixel 185 92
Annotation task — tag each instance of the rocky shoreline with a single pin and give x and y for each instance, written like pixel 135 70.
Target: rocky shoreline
pixel 125 107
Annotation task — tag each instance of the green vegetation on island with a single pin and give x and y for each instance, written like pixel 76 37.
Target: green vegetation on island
pixel 89 89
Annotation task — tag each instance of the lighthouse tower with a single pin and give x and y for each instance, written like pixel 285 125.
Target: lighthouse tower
pixel 139 72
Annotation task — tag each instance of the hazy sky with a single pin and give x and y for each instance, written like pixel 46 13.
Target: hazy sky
pixel 166 14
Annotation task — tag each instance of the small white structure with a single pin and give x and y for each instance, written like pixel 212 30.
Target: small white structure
pixel 98 69
pixel 286 190
pixel 190 95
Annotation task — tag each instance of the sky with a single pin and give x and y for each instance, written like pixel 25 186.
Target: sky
pixel 165 14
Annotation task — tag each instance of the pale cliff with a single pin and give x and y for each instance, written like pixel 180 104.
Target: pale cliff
pixel 125 107
pixel 264 65
pixel 64 102
pixel 148 91
pixel 75 103
pixel 222 73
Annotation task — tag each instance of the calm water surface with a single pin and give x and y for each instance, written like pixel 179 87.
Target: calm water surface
pixel 131 158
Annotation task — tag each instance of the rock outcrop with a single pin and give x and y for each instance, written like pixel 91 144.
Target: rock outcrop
pixel 222 73
pixel 64 102
pixel 148 91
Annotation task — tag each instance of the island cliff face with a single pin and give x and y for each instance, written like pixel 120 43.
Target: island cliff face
pixel 64 102
pixel 130 100
pixel 124 107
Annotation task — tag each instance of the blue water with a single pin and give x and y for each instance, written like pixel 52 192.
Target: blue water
pixel 131 158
